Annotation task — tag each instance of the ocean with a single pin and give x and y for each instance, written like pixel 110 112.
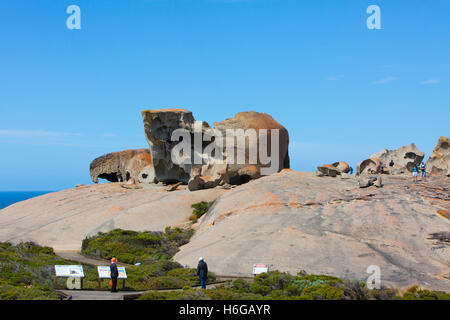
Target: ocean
pixel 7 198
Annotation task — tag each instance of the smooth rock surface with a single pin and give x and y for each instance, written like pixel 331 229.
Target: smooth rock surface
pixel 63 219
pixel 296 221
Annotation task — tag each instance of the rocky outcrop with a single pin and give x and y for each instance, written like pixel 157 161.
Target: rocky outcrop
pixel 369 166
pixel 296 221
pixel 158 126
pixel 439 162
pixel 333 170
pixel 161 124
pixel 291 220
pixel 128 164
pixel 404 159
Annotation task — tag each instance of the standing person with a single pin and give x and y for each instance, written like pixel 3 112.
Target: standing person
pixel 114 274
pixel 350 170
pixel 415 173
pixel 119 175
pixel 423 171
pixel 202 272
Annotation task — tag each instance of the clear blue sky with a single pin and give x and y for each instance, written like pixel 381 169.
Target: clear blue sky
pixel 343 91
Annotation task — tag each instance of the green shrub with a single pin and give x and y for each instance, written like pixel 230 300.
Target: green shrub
pixel 323 292
pixel 200 209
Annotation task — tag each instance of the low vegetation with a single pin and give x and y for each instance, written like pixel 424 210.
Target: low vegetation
pixel 199 209
pixel 153 251
pixel 27 272
pixel 277 285
pixel 132 247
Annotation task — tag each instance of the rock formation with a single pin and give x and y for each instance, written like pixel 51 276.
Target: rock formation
pixel 439 162
pixel 333 170
pixel 296 221
pixel 405 159
pixel 128 163
pixel 369 166
pixel 160 125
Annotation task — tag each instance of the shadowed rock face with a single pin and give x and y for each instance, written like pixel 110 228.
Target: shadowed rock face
pixel 439 162
pixel 405 158
pixel 129 163
pixel 160 124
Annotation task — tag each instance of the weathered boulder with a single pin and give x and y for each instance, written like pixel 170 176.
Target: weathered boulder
pixel 158 126
pixel 342 166
pixel 222 165
pixel 333 170
pixel 147 175
pixel 404 158
pixel 128 163
pixel 366 181
pixel 369 166
pixel 439 162
pixel 327 170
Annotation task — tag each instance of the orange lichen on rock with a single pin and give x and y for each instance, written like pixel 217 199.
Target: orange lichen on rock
pixel 444 213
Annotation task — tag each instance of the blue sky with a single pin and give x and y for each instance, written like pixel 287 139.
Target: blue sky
pixel 343 91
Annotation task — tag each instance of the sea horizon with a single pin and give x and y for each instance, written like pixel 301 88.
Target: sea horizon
pixel 8 198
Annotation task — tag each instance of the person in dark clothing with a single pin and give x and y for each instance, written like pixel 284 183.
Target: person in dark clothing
pixel 119 176
pixel 202 272
pixel 391 164
pixel 114 274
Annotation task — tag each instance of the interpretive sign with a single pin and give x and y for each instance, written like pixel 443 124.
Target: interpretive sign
pixel 260 268
pixel 105 272
pixel 69 271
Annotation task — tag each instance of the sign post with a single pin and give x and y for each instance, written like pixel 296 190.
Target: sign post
pixel 104 272
pixel 74 273
pixel 260 268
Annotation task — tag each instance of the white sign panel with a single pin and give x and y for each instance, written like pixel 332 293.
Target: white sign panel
pixel 69 271
pixel 260 268
pixel 105 272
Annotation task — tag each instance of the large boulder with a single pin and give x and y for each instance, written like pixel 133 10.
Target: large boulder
pixel 404 158
pixel 158 126
pixel 439 162
pixel 209 171
pixel 128 163
pixel 369 166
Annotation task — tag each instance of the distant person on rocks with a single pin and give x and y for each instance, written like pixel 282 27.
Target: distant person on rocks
pixel 114 274
pixel 202 272
pixel 391 164
pixel 350 170
pixel 423 171
pixel 415 173
pixel 119 176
